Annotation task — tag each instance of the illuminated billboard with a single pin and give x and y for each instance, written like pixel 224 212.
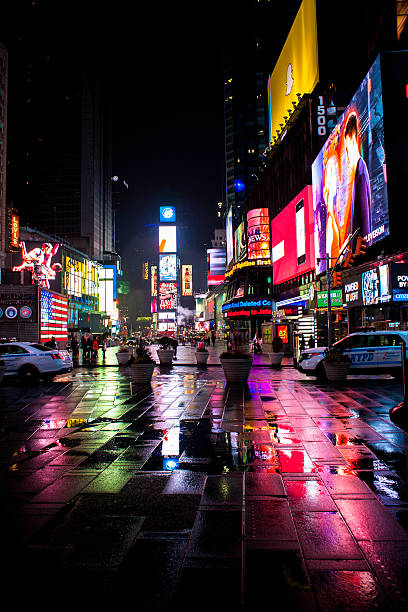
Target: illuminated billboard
pixel 81 277
pixel 167 239
pixel 230 237
pixel 240 246
pixel 186 280
pixel 349 174
pixel 168 267
pixel 167 214
pixel 13 231
pixel 42 260
pixel 293 238
pixel 54 316
pixel 153 280
pixel 259 234
pixel 215 266
pixel 297 70
pixel 167 296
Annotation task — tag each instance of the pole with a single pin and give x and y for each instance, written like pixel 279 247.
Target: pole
pixel 329 317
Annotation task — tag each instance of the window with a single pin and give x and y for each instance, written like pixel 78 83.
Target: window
pixel 41 347
pixel 16 350
pixel 389 340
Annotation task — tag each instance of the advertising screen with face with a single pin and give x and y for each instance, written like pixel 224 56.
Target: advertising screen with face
pixel 215 266
pixel 167 239
pixel 167 296
pixel 259 234
pixel 168 267
pixel 293 238
pixel 349 175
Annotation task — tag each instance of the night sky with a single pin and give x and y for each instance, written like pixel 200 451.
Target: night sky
pixel 162 64
pixel 169 130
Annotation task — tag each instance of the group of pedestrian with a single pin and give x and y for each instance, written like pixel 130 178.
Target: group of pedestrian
pixel 90 348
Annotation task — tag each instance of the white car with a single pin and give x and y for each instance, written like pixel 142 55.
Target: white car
pixel 377 352
pixel 31 361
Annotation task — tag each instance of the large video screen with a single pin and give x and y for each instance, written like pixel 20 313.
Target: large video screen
pixel 167 296
pixel 168 267
pixel 240 242
pixel 167 239
pixel 40 263
pixel 186 280
pixel 216 264
pixel 349 175
pixel 230 237
pixel 259 234
pixel 293 238
pixel 297 70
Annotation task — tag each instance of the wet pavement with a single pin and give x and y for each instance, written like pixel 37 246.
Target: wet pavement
pixel 190 494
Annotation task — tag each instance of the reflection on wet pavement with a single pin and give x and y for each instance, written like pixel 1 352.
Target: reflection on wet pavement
pixel 309 478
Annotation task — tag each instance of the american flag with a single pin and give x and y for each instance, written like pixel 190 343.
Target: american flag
pixel 54 317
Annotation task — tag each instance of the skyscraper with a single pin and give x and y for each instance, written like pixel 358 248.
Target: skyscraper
pixel 255 33
pixel 59 157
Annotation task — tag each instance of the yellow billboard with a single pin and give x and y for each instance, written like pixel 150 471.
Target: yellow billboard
pixel 297 70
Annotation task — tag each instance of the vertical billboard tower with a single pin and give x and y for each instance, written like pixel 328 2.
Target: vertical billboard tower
pixel 167 272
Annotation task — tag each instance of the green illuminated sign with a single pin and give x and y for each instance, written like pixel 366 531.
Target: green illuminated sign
pixel 336 298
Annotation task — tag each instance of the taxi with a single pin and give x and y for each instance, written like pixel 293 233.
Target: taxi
pixel 30 361
pixel 374 352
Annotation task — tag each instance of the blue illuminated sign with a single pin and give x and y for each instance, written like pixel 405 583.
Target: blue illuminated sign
pixel 239 186
pixel 170 463
pixel 167 214
pixel 247 304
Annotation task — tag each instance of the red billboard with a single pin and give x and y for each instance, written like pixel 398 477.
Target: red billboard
pixel 293 238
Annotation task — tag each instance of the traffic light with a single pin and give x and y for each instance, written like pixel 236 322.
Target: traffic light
pixel 349 260
pixel 361 246
pixel 336 279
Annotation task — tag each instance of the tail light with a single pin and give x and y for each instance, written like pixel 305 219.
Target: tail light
pixel 56 355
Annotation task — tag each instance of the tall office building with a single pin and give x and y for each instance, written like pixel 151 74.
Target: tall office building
pixel 254 36
pixel 3 152
pixel 59 156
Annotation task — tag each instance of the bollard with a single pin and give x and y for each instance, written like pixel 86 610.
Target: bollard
pixel 399 413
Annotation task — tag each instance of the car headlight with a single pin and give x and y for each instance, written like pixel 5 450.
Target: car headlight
pixel 308 355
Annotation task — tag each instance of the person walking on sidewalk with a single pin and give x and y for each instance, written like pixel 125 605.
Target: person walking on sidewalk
pixel 95 349
pixel 89 347
pixel 83 347
pixel 104 347
pixel 213 337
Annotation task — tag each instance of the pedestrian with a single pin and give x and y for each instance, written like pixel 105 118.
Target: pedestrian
pixel 95 349
pixel 302 343
pixel 174 344
pixel 311 343
pixel 104 346
pixel 236 339
pixel 75 348
pixel 213 337
pixel 51 343
pixel 89 347
pixel 83 347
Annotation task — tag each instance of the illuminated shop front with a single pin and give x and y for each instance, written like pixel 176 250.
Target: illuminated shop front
pixel 247 313
pixel 376 296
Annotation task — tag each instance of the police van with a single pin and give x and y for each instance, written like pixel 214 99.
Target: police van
pixel 375 352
